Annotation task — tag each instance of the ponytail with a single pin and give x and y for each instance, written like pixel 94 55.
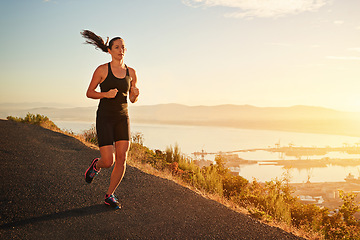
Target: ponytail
pixel 97 41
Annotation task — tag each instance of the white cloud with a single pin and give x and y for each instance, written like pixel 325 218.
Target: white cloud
pixel 343 58
pixel 261 8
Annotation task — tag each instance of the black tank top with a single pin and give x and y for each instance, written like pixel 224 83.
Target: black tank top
pixel 117 105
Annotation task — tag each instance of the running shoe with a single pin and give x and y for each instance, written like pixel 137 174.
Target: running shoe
pixel 112 201
pixel 91 172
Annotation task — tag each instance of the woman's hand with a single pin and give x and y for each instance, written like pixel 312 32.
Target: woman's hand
pixel 111 93
pixel 135 91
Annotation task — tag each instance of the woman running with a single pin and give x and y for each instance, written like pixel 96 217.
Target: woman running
pixel 117 81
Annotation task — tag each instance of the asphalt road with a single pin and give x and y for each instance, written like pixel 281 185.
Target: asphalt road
pixel 44 196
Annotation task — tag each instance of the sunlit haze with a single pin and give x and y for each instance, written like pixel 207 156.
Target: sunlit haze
pixel 193 52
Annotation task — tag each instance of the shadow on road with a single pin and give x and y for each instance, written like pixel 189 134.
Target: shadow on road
pixel 77 212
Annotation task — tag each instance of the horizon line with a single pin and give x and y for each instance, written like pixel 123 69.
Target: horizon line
pixel 68 105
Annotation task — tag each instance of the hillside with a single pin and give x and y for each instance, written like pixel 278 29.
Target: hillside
pixel 45 196
pixel 296 118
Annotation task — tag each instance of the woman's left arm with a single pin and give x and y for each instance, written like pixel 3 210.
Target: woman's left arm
pixel 134 91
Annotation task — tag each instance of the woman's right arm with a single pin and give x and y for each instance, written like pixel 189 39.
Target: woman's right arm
pixel 97 78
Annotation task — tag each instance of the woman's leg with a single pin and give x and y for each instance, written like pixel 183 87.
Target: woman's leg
pixel 107 157
pixel 121 150
pixel 106 160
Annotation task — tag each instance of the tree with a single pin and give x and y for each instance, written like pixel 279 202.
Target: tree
pixel 349 207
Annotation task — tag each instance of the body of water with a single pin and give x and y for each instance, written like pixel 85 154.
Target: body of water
pixel 214 139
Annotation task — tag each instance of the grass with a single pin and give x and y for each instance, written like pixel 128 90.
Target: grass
pixel 271 202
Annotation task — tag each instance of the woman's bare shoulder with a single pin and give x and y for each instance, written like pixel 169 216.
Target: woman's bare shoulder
pixel 132 71
pixel 102 69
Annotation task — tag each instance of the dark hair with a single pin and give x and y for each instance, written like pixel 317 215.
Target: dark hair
pixel 97 41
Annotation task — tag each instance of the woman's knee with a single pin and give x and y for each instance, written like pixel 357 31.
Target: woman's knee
pixel 107 161
pixel 107 157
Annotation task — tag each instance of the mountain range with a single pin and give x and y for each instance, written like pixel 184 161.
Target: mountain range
pixel 296 118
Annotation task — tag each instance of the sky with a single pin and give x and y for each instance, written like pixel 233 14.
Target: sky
pixel 266 53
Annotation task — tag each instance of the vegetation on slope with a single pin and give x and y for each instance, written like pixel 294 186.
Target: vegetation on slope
pixel 37 119
pixel 271 201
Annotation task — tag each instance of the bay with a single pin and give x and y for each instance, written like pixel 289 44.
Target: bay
pixel 192 139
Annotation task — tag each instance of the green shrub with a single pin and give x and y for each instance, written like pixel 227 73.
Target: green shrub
pixel 198 179
pixel 349 207
pixel 90 135
pixel 37 119
pixel 343 224
pixel 309 216
pixel 213 181
pixel 234 186
pixel 220 165
pixel 140 153
pixel 173 154
pixel 16 119
pixel 335 227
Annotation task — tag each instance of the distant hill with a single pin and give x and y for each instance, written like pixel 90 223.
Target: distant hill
pixel 86 114
pixel 295 118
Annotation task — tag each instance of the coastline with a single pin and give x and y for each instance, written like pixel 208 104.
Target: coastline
pixel 254 126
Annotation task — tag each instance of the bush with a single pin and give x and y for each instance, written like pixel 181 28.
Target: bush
pixel 138 138
pixel 213 181
pixel 273 198
pixel 37 119
pixel 140 153
pixel 349 207
pixel 343 224
pixel 234 186
pixel 90 135
pixel 309 216
pixel 335 227
pixel 173 154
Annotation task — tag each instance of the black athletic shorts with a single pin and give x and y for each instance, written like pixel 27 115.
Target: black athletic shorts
pixel 111 128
